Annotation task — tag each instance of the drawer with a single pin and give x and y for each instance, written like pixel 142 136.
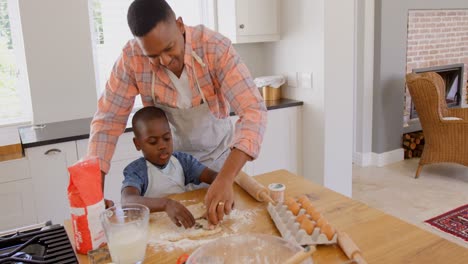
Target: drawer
pixel 14 170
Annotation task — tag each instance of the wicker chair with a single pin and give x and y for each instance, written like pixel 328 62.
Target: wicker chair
pixel 445 130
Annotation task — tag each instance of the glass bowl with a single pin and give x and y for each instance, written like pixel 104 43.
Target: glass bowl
pixel 251 248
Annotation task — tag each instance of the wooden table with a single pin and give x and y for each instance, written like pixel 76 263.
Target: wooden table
pixel 382 238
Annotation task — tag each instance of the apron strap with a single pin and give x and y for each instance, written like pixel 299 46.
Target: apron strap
pixel 152 89
pixel 194 55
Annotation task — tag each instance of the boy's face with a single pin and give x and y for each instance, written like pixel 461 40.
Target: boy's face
pixel 154 140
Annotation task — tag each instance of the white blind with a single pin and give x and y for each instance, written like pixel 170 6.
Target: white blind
pixel 15 100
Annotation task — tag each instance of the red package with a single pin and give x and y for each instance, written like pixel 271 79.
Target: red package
pixel 86 204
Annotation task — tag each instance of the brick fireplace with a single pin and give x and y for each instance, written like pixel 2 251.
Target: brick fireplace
pixel 438 41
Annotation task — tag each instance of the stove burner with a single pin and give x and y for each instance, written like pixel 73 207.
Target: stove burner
pixel 42 245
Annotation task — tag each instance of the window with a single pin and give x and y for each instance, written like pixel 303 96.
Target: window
pixel 110 34
pixel 14 93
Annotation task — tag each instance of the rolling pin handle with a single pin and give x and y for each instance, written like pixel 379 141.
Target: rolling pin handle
pixel 359 259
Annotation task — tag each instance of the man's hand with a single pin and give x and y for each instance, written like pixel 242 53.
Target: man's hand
pixel 179 214
pixel 219 199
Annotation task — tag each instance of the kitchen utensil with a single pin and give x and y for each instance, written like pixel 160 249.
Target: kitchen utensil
pixel 277 192
pixel 301 255
pixel 251 248
pixel 349 248
pixel 99 256
pixel 126 229
pixel 252 187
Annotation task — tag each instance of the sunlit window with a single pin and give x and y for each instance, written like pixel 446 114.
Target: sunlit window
pixel 14 92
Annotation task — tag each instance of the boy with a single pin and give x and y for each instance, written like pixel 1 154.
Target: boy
pixel 160 172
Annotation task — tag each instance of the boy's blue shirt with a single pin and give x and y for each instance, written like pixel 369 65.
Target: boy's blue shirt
pixel 136 173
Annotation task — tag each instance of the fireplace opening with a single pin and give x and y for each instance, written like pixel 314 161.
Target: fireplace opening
pixel 453 79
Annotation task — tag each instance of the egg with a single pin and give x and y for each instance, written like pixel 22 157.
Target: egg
pixel 301 218
pixel 289 200
pixel 321 222
pixel 302 199
pixel 314 214
pixel 328 231
pixel 306 204
pixel 308 226
pixel 309 208
pixel 294 208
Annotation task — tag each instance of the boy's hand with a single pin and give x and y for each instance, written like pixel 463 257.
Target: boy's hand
pixel 179 214
pixel 108 203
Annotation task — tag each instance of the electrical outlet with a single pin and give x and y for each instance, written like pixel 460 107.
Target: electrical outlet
pixel 304 80
pixel 291 80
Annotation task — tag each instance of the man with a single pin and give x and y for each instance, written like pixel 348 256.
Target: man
pixel 196 77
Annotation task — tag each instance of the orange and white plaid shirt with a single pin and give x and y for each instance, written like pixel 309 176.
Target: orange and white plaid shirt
pixel 225 81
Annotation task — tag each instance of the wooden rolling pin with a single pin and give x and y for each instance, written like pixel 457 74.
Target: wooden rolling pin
pixel 349 248
pixel 254 188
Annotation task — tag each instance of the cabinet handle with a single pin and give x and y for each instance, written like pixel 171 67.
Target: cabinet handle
pixel 52 151
pixel 242 26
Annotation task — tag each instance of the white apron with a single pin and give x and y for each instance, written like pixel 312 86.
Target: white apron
pixel 196 131
pixel 163 182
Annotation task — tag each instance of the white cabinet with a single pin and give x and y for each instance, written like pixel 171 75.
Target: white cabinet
pixel 48 167
pixel 245 21
pixel 281 143
pixel 16 195
pixel 17 204
pixel 125 152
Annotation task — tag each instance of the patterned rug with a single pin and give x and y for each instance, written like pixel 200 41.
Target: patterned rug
pixel 454 222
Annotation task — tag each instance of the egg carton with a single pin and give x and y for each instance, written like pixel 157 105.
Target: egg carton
pixel 290 230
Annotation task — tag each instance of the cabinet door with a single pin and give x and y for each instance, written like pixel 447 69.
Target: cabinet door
pixel 280 148
pixel 16 204
pixel 48 167
pixel 245 21
pixel 257 17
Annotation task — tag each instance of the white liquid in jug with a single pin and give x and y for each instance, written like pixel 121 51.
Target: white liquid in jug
pixel 128 245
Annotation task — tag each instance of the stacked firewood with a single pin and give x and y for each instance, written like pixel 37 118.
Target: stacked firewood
pixel 413 144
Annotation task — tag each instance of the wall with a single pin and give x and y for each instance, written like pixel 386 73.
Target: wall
pixel 316 36
pixel 253 55
pixel 57 42
pixel 390 67
pixel 364 80
pixel 303 22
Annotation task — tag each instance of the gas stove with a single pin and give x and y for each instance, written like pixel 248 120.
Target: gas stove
pixel 42 243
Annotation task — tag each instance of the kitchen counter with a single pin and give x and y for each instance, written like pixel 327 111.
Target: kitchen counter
pixel 382 238
pixel 39 135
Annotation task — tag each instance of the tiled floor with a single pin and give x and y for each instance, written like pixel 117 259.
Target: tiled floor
pixel 393 189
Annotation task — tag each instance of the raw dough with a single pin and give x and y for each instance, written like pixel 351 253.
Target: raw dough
pixel 162 228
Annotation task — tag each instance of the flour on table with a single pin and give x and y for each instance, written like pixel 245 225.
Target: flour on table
pixel 164 234
pixel 164 229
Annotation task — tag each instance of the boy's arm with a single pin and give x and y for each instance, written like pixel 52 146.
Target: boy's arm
pixel 208 175
pixel 178 213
